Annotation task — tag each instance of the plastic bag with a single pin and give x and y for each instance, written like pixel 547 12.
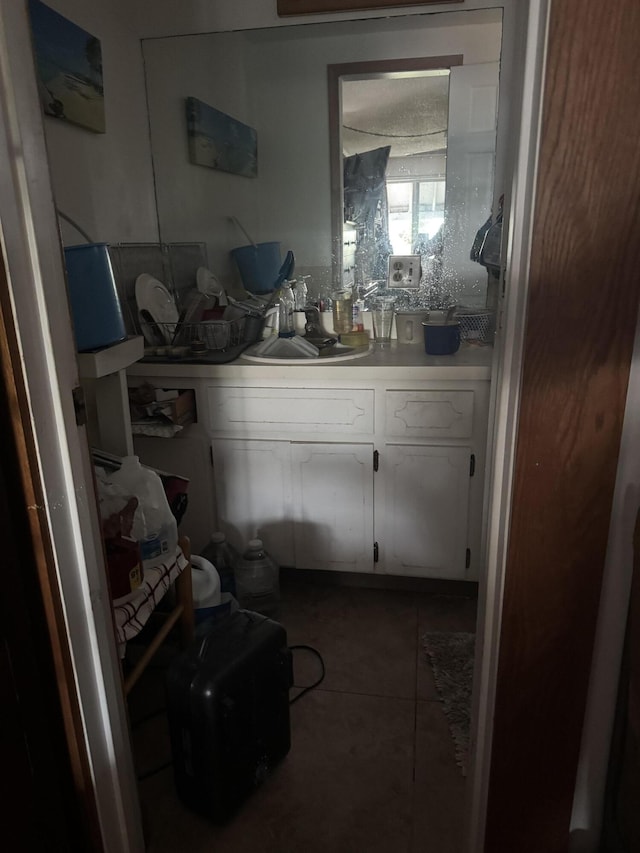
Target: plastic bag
pixel 117 510
pixel 154 526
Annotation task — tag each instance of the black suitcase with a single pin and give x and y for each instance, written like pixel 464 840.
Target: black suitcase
pixel 228 712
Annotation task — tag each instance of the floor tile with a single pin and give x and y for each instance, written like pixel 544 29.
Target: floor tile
pixel 439 791
pixel 366 637
pixel 345 787
pixel 370 768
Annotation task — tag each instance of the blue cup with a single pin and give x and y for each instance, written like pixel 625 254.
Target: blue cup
pixel 95 306
pixel 259 266
pixel 441 338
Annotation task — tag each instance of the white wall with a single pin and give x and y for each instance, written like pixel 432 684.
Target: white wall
pixel 104 181
pixel 195 202
pixel 276 81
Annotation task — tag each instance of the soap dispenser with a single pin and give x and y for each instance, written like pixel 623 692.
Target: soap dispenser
pixel 286 323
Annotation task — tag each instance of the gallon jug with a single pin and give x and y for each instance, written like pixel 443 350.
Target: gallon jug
pixel 154 526
pixel 224 557
pixel 258 580
pixel 205 583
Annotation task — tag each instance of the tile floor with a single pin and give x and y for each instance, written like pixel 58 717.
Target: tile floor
pixel 371 766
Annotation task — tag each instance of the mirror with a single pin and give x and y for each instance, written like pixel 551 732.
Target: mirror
pixel 275 81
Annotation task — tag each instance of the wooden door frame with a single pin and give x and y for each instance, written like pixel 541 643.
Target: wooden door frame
pixel 34 637
pixel 582 302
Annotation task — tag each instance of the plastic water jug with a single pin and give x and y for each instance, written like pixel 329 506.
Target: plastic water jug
pixel 154 526
pixel 258 580
pixel 224 557
pixel 205 582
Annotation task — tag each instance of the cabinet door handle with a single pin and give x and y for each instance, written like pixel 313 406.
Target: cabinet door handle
pixel 375 552
pixel 376 460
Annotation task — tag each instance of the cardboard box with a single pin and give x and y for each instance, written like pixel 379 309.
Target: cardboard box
pixel 158 406
pixel 182 410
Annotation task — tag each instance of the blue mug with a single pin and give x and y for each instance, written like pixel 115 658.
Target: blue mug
pixel 441 338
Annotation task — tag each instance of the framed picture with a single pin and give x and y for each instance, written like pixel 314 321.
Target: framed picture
pixel 69 69
pixel 220 142
pixel 311 7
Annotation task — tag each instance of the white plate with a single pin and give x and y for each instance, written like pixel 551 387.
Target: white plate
pixel 208 284
pixel 153 296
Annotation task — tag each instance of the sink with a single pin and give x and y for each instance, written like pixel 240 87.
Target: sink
pixel 334 352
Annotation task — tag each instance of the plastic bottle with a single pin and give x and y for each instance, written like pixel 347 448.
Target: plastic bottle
pixel 258 580
pixel 301 293
pixel 286 324
pixel 154 526
pixel 224 557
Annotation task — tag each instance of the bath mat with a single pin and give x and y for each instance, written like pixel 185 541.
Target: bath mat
pixel 451 657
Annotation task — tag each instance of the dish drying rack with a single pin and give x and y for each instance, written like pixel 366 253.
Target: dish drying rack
pixel 214 334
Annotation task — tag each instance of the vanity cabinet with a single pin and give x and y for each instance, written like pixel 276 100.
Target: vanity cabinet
pixel 369 479
pixel 373 466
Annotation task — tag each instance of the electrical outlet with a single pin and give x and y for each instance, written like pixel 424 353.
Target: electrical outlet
pixel 404 271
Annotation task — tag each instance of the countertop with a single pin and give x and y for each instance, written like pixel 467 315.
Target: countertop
pixel 400 361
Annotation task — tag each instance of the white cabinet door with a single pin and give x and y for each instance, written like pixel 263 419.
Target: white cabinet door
pixel 426 504
pixel 253 493
pixel 333 506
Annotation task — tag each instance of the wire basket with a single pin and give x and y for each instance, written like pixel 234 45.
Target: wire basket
pixel 214 334
pixel 474 325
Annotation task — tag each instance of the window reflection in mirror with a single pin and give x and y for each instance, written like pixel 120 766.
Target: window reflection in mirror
pixel 405 190
pixel 392 132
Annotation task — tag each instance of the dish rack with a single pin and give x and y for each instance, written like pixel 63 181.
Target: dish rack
pixel 214 334
pixel 475 325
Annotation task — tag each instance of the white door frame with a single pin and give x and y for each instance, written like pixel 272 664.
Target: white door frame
pixel 501 443
pixel 33 258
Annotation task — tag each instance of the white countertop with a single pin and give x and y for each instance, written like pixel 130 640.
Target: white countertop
pixel 400 361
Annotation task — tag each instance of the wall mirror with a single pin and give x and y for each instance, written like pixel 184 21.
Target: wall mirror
pixel 276 81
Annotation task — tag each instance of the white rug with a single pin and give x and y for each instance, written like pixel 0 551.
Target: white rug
pixel 451 657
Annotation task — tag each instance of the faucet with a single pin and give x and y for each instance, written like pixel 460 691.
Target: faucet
pixel 313 327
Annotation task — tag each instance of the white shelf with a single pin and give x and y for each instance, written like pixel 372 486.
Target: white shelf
pixel 104 381
pixel 102 362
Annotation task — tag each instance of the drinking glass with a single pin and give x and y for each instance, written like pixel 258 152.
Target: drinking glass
pixel 382 317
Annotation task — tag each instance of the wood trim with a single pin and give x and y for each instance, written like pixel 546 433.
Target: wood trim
pixel 28 499
pixel 315 7
pixel 183 612
pixel 583 301
pixel 334 73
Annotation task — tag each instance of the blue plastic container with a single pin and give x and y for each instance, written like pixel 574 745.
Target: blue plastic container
pixel 95 307
pixel 259 266
pixel 441 338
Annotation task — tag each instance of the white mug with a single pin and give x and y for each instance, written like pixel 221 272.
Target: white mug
pixel 409 327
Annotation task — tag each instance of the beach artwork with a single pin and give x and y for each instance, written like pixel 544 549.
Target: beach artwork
pixel 220 142
pixel 69 67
